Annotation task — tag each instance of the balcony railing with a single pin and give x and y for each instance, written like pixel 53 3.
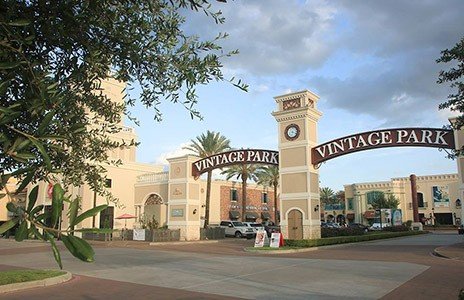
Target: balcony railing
pixel 153 177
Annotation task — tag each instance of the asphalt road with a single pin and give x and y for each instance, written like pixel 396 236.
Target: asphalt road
pixel 400 268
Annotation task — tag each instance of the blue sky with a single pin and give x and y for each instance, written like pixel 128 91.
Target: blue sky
pixel 371 62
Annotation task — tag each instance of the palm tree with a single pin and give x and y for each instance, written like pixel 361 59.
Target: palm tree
pixel 206 145
pixel 244 172
pixel 327 195
pixel 269 176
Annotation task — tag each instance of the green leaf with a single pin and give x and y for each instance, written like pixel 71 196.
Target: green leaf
pixel 8 225
pixel 46 121
pixel 42 151
pixel 36 209
pixel 36 232
pixel 11 207
pixel 56 252
pixel 20 22
pixel 32 198
pixel 57 203
pixel 21 232
pixel 90 213
pixel 25 182
pixel 79 248
pixel 73 208
pixel 9 65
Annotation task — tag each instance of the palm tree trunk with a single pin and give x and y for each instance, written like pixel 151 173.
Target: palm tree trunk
pixel 276 214
pixel 244 194
pixel 208 196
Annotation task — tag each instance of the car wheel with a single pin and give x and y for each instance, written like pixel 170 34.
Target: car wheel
pixel 238 234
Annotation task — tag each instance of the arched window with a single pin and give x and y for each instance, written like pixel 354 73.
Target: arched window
pixel 420 200
pixel 154 199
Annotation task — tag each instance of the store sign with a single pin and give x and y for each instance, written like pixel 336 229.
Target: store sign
pixel 261 239
pixel 177 212
pixel 399 137
pixel 248 156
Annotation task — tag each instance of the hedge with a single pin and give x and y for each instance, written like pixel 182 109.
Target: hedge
pixel 348 239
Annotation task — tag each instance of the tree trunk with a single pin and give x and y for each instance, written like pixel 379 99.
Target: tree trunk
pixel 208 196
pixel 276 214
pixel 244 193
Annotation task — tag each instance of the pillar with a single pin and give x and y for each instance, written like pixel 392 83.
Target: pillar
pixel 184 198
pixel 459 142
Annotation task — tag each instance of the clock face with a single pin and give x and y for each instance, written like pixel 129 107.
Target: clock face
pixel 292 132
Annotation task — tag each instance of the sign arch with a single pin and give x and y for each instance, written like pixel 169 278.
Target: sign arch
pixel 382 138
pixel 242 156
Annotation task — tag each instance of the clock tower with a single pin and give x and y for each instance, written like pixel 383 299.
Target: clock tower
pixel 297 118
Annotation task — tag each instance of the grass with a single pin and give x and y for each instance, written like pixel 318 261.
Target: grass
pixel 301 244
pixel 16 276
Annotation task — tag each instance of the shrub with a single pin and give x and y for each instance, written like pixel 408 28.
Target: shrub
pixel 344 231
pixel 397 228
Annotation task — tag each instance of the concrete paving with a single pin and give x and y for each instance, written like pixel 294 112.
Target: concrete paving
pixel 391 269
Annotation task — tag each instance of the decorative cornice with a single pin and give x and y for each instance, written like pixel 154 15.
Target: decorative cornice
pixel 296 114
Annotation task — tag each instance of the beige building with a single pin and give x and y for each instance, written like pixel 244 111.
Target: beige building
pixel 19 200
pixel 438 199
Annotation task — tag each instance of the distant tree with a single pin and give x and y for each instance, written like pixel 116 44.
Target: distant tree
pixel 243 172
pixel 269 176
pixel 327 195
pixel 206 145
pixel 454 75
pixel 340 196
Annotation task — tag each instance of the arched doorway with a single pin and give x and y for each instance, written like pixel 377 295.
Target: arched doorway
pixel 153 207
pixel 295 225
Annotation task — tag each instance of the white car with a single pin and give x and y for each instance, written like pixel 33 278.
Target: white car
pixel 237 229
pixel 378 226
pixel 255 226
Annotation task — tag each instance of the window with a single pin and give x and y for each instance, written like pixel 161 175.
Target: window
pixel 350 204
pixel 233 195
pixel 108 182
pixel 264 198
pixel 420 200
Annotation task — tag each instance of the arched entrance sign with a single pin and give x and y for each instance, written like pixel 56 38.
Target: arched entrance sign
pixel 397 137
pixel 244 156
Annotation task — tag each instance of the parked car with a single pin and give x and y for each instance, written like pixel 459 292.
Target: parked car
pixel 254 226
pixel 270 227
pixel 461 229
pixel 359 226
pixel 378 226
pixel 237 229
pixel 329 225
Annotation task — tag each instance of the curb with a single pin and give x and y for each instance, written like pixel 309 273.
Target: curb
pixel 183 243
pixel 36 283
pixel 270 252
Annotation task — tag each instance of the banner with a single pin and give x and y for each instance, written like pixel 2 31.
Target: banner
pixel 397 217
pixel 275 240
pixel 440 196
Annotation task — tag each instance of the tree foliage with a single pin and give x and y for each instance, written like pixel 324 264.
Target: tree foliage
pixel 269 176
pixel 385 201
pixel 204 146
pixel 454 76
pixel 54 117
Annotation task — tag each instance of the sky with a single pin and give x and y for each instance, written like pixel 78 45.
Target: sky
pixel 373 64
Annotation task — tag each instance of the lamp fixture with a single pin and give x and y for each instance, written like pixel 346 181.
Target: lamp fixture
pixel 316 208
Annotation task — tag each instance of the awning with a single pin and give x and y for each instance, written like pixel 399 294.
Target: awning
pixel 350 216
pixel 265 215
pixel 251 215
pixel 370 214
pixel 234 215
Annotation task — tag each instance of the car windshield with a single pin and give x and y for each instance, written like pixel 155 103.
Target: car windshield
pixel 238 224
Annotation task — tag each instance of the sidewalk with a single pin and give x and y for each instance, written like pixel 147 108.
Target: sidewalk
pixel 455 251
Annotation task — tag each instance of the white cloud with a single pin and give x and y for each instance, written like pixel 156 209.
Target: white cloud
pixel 176 151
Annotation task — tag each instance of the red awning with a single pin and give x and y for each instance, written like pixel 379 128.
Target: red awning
pixel 350 216
pixel 370 214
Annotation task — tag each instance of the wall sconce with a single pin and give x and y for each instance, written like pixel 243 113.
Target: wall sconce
pixel 316 208
pixel 195 211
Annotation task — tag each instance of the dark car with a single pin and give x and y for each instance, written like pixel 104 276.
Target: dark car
pixel 461 229
pixel 359 226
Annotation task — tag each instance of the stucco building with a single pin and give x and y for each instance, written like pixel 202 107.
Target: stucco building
pixel 437 195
